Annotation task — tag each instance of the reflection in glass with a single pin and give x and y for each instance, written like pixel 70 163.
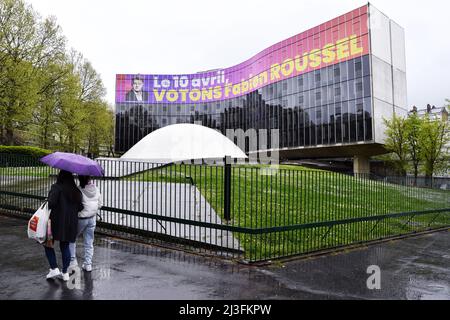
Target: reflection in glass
pixel 327 106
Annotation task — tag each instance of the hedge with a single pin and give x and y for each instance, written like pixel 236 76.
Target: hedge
pixel 34 152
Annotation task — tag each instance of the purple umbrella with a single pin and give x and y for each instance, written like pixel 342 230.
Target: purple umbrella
pixel 73 163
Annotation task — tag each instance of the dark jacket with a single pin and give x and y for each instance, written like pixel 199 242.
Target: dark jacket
pixel 63 214
pixel 131 96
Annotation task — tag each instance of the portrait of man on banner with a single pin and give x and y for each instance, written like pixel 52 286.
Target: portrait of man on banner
pixel 137 93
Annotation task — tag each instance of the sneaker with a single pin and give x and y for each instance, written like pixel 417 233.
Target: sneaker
pixel 87 267
pixel 73 263
pixel 53 273
pixel 65 276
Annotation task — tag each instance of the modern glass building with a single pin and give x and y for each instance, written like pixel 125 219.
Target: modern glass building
pixel 326 90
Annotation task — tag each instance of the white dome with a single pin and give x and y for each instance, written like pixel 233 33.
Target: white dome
pixel 184 141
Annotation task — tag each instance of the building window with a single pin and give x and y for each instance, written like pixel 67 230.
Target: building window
pixel 359 107
pixel 301 100
pixel 318 95
pixel 164 121
pixel 358 66
pixel 279 95
pixel 192 108
pixel 337 72
pixel 318 115
pixel 178 108
pixel 300 82
pixel 205 107
pixel 337 91
pixel 359 87
pixel 317 76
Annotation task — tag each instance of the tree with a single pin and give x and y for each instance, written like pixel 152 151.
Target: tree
pixel 48 96
pixel 27 45
pixel 91 85
pixel 98 125
pixel 70 115
pixel 397 142
pixel 434 136
pixel 46 109
pixel 18 94
pixel 413 125
pixel 109 133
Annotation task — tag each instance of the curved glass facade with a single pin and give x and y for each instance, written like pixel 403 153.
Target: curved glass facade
pixel 327 106
pixel 329 86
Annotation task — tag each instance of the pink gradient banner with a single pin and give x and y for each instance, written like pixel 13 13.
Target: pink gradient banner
pixel 343 38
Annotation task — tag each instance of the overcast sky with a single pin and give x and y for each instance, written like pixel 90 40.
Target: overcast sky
pixel 171 37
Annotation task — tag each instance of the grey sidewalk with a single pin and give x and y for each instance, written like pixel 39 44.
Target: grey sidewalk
pixel 414 268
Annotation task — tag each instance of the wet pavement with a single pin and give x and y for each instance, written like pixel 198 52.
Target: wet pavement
pixel 413 268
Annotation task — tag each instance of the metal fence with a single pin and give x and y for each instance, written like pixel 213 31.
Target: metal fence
pixel 442 183
pixel 249 212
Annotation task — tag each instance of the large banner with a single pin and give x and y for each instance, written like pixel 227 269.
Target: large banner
pixel 338 40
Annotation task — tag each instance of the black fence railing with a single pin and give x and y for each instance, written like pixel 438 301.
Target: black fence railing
pixel 421 182
pixel 250 212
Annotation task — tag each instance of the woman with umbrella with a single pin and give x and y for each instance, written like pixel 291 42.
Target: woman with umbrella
pixel 65 202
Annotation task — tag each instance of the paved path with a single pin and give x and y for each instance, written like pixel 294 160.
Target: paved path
pixel 414 268
pixel 177 200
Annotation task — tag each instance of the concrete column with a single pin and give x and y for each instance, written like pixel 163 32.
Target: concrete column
pixel 361 165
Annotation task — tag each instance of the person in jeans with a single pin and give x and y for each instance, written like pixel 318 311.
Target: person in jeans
pixel 64 201
pixel 91 199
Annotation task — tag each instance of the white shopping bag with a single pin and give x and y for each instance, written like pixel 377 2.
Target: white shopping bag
pixel 37 226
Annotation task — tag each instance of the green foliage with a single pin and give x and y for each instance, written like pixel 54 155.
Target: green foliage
pixel 48 97
pixel 423 142
pixel 413 127
pixel 397 142
pixel 434 136
pixel 28 44
pixel 99 125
